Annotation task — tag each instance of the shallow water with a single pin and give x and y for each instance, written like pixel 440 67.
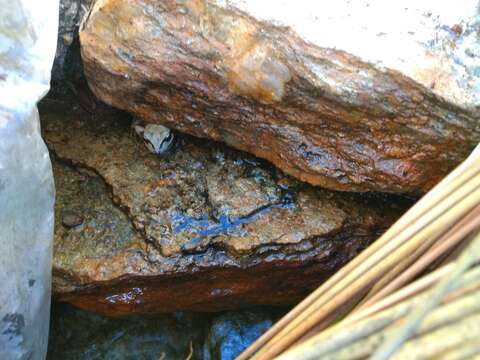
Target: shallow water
pixel 77 334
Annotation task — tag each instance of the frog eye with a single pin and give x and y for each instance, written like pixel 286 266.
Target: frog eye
pixel 149 145
pixel 168 138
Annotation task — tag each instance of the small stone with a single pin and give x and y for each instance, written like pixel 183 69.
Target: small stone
pixel 71 220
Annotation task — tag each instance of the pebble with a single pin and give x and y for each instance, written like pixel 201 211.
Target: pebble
pixel 71 220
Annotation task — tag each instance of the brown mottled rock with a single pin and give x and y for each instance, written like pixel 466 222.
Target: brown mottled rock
pixel 202 228
pixel 321 115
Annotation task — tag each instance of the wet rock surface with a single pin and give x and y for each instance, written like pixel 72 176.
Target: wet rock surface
pixel 80 335
pixel 320 114
pixel 232 332
pixel 202 228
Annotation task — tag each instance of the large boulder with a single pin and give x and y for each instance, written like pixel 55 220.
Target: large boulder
pixel 233 72
pixel 202 228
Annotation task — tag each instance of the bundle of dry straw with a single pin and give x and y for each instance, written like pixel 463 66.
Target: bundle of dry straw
pixel 414 293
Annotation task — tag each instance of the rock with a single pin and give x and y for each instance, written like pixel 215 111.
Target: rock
pixel 67 77
pixel 71 220
pixel 76 334
pixel 203 228
pixel 27 195
pixel 322 115
pixel 232 332
pixel 67 68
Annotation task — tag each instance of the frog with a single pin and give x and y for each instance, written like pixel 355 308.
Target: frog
pixel 157 138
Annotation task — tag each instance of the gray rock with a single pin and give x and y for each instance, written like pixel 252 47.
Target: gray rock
pixel 232 332
pixel 67 67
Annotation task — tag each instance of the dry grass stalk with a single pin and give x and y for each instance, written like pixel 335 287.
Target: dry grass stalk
pixel 463 300
pixel 365 274
pixel 448 241
pixel 467 259
pixel 428 345
pixel 426 226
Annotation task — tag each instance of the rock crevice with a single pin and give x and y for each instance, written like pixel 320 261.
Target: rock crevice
pixel 203 220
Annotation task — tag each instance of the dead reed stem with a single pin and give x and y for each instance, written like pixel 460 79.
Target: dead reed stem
pixel 428 231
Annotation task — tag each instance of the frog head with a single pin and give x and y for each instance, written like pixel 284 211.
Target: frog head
pixel 157 138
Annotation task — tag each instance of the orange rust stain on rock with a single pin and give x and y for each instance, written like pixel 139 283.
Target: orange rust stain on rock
pixel 260 74
pixel 254 68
